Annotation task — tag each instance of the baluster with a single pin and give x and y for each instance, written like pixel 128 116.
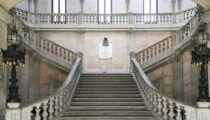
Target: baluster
pixel 159 106
pixel 151 52
pixel 48 46
pixel 61 102
pixel 45 113
pixel 165 109
pixel 56 105
pixel 51 108
pixel 37 117
pixel 171 113
pixel 141 57
pixel 160 48
pixel 178 110
pixel 56 50
pixel 44 45
pixel 150 99
pixel 155 102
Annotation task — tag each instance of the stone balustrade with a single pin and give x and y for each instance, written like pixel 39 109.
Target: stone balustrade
pixel 52 106
pixel 83 18
pixel 161 105
pixel 44 47
pixel 172 43
pixel 56 50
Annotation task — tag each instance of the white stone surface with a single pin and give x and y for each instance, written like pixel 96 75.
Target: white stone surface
pixel 105 52
pixel 13 105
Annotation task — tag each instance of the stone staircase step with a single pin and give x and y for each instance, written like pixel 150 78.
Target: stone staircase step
pixel 107 108
pixel 107 89
pixel 109 118
pixel 107 103
pixel 107 100
pixel 107 83
pixel 107 113
pixel 107 86
pixel 107 96
pixel 105 75
pixel 106 80
pixel 107 92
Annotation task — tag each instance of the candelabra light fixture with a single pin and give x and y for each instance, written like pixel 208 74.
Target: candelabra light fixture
pixel 14 56
pixel 201 56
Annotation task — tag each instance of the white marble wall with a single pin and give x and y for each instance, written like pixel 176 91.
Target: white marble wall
pixel 88 43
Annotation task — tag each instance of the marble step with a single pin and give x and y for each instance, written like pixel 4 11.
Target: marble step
pixel 106 80
pixel 108 118
pixel 107 83
pixel 107 113
pixel 106 86
pixel 107 108
pixel 107 92
pixel 106 89
pixel 107 100
pixel 105 75
pixel 107 103
pixel 107 96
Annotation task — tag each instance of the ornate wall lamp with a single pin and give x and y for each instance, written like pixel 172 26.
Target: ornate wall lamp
pixel 14 56
pixel 201 56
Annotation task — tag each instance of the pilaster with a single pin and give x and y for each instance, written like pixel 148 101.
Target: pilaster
pixel 82 5
pixel 34 72
pixel 127 2
pixel 80 41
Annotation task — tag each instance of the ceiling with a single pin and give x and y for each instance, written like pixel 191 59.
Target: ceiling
pixel 204 3
pixel 7 4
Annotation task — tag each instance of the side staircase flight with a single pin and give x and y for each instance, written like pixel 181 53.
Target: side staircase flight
pixel 107 97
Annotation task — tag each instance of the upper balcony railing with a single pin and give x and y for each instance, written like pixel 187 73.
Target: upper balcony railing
pixel 178 19
pixel 170 45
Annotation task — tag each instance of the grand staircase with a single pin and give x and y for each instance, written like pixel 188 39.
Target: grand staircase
pixel 107 97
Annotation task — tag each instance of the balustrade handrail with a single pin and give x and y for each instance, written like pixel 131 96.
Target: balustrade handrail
pixel 169 42
pixel 163 105
pixel 53 105
pixel 65 84
pixel 149 83
pixel 114 18
pixel 46 48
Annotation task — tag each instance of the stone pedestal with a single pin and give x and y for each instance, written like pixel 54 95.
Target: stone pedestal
pixel 13 111
pixel 203 111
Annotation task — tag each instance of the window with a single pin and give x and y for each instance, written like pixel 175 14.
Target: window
pixel 150 11
pixel 104 11
pixel 58 8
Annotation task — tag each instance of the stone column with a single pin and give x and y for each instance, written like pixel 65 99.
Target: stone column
pixel 130 43
pixel 2 88
pixel 208 45
pixel 177 80
pixel 187 77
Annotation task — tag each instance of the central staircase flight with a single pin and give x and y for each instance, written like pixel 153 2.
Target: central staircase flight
pixel 107 97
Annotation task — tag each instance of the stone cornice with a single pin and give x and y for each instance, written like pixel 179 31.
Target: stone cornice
pixel 8 4
pixel 4 16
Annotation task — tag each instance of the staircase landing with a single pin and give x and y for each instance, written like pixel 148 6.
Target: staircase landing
pixel 107 97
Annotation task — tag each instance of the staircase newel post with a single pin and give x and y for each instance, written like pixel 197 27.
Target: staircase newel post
pixel 13 112
pixel 132 55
